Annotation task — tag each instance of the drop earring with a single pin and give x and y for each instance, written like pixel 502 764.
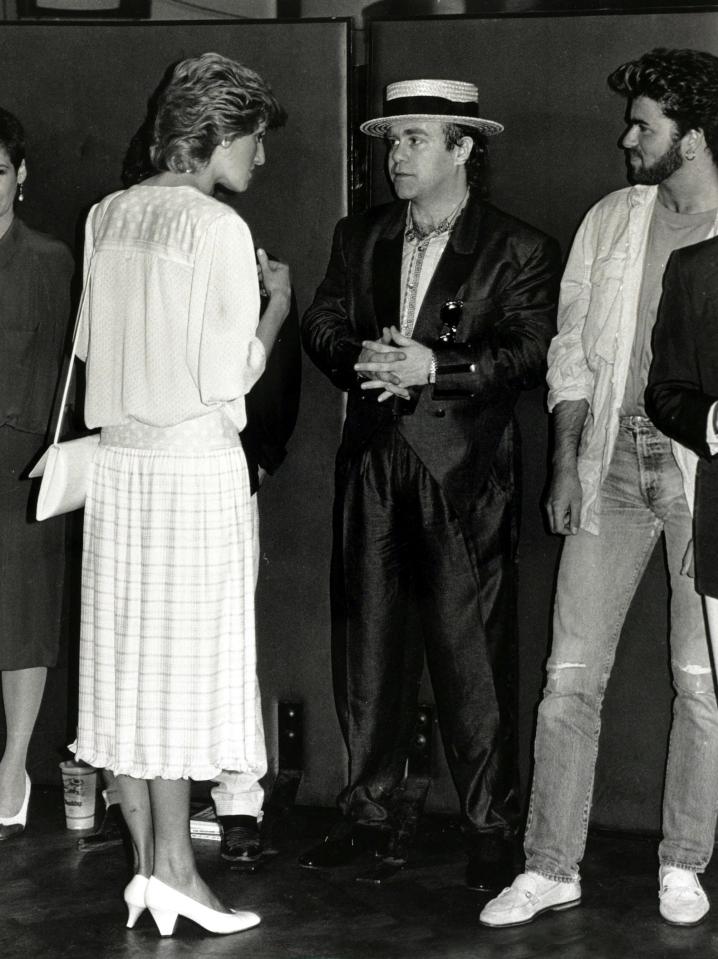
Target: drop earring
pixel 20 193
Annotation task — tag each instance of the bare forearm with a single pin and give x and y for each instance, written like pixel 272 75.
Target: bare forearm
pixel 271 322
pixel 569 417
pixel 565 496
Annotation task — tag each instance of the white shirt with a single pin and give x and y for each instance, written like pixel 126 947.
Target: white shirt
pixel 598 308
pixel 170 308
pixel 419 260
pixel 711 435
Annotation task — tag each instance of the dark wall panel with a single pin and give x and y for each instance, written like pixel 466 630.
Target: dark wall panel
pixel 544 78
pixel 81 91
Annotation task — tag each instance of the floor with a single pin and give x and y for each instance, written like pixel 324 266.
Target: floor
pixel 59 902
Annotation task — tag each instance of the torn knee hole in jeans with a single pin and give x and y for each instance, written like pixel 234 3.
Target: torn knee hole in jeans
pixel 700 678
pixel 564 676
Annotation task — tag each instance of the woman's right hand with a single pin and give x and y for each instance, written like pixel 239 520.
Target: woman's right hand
pixel 274 277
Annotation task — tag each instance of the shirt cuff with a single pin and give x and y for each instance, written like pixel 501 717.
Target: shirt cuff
pixel 711 435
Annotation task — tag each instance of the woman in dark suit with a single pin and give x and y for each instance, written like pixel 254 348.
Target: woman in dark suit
pixel 35 274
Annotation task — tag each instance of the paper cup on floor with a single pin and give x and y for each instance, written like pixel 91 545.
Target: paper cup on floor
pixel 79 787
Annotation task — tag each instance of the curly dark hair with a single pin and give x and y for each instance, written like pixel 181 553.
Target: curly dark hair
pixel 477 164
pixel 684 82
pixel 208 99
pixel 12 137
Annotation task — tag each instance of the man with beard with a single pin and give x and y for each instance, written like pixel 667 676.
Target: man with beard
pixel 617 484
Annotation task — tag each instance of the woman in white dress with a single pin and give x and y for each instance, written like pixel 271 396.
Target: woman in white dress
pixel 171 334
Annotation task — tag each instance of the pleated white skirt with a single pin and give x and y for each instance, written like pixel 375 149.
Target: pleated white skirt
pixel 167 643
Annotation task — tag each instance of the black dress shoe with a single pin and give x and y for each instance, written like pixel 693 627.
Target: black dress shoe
pixel 10 832
pixel 111 832
pixel 491 866
pixel 241 842
pixel 340 846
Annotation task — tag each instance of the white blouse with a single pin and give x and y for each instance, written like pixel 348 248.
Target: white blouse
pixel 170 308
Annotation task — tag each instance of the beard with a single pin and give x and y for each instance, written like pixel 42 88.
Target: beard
pixel 658 171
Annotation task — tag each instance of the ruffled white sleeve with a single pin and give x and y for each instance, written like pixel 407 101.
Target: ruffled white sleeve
pixel 224 356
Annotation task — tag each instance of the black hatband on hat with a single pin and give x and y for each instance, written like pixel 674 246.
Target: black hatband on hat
pixel 431 106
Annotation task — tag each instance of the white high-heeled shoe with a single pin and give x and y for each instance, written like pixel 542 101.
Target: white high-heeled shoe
pixel 13 825
pixel 166 904
pixel 135 899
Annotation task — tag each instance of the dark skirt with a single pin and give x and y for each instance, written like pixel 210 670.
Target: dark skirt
pixel 32 562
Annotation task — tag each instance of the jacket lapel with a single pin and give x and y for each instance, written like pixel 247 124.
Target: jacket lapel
pixel 457 261
pixel 386 268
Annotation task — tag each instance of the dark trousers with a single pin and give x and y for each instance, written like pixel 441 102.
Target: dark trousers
pixel 410 577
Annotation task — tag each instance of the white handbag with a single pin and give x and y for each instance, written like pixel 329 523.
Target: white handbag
pixel 64 467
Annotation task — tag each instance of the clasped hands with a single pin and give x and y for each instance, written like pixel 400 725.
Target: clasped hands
pixel 393 370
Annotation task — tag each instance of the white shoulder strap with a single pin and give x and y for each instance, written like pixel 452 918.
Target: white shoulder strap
pixel 73 354
pixel 68 378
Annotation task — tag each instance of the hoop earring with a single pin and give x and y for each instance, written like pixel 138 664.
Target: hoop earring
pixel 20 193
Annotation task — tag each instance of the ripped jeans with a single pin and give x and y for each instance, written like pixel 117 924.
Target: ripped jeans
pixel 641 496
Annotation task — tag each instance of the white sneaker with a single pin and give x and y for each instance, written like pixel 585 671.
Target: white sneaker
pixel 681 899
pixel 527 897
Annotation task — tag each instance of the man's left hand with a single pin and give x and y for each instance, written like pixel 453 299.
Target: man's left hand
pixel 412 370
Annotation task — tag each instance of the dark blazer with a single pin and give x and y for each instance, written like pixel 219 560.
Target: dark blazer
pixel 35 279
pixel 507 275
pixel 683 383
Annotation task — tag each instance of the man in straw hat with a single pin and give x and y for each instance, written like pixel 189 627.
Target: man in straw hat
pixel 435 312
pixel 617 484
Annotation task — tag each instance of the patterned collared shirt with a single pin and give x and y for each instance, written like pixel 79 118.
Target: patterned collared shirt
pixel 420 257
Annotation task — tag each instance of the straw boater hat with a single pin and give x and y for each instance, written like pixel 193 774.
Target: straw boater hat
pixel 451 101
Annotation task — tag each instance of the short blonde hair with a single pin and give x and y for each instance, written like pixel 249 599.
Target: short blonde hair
pixel 206 100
